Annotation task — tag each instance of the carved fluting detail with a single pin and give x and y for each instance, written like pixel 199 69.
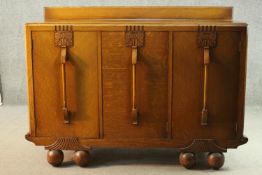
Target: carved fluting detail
pixel 207 36
pixel 63 36
pixel 135 36
pixel 66 143
pixel 203 145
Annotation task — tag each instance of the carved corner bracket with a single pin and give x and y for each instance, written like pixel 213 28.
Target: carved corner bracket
pixel 207 38
pixel 66 143
pixel 203 145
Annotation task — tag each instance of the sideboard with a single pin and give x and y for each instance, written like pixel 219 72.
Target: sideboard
pixel 145 77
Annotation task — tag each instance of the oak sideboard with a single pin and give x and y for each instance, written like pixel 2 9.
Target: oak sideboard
pixel 145 77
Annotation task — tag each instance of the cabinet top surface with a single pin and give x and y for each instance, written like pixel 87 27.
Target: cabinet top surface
pixel 139 12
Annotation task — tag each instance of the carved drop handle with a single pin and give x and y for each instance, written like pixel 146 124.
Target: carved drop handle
pixel 66 112
pixel 204 110
pixel 134 109
pixel 134 36
pixel 207 38
pixel 63 37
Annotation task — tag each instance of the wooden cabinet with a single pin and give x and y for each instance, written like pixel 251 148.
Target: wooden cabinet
pixel 160 77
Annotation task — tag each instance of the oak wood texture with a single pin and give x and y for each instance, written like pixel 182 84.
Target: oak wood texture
pixel 151 86
pixel 169 89
pixel 188 86
pixel 159 12
pixel 82 86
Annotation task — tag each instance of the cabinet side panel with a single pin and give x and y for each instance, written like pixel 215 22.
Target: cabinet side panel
pixel 223 85
pixel 242 83
pixel 30 78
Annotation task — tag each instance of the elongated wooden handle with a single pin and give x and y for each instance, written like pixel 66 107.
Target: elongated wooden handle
pixel 66 112
pixel 134 109
pixel 204 116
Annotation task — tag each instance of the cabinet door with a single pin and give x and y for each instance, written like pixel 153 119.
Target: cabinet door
pixel 81 85
pixel 151 86
pixel 188 80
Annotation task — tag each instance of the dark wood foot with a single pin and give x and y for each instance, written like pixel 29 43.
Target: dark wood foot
pixel 215 160
pixel 55 157
pixel 81 158
pixel 188 160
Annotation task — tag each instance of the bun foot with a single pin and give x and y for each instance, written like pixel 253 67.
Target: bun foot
pixel 81 158
pixel 215 160
pixel 188 160
pixel 55 157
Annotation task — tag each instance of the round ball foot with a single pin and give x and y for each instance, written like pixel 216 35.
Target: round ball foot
pixel 81 158
pixel 215 160
pixel 188 160
pixel 55 157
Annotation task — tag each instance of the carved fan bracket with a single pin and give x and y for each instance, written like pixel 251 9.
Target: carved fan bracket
pixel 66 143
pixel 207 38
pixel 63 36
pixel 134 36
pixel 203 145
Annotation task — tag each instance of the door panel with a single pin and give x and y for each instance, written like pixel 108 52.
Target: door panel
pixel 151 86
pixel 81 84
pixel 188 77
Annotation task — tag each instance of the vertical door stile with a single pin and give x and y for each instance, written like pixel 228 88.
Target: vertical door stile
pixel 170 83
pixel 100 95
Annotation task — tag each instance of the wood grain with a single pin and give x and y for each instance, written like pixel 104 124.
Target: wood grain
pixel 188 87
pixel 121 77
pixel 159 12
pixel 82 86
pixel 169 88
pixel 151 86
pixel 30 81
